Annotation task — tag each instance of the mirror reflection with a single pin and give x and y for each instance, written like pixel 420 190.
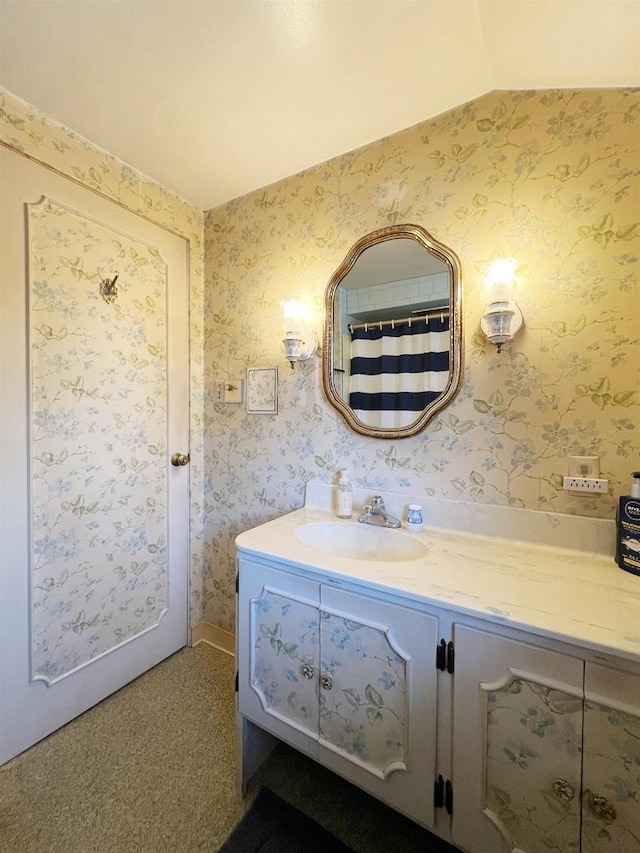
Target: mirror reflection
pixel 392 332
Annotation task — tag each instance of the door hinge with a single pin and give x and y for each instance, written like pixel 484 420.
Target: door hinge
pixel 438 792
pixel 443 794
pixel 445 656
pixel 448 796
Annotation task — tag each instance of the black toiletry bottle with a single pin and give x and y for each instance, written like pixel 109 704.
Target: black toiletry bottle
pixel 628 528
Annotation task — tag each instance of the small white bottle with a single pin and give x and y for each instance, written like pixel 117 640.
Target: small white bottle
pixel 415 521
pixel 345 496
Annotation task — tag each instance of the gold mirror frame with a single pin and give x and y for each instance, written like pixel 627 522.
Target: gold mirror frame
pixel 449 259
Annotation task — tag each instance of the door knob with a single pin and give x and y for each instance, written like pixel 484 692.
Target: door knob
pixel 179 459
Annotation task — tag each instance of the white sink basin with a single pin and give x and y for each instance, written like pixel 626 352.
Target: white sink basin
pixel 360 541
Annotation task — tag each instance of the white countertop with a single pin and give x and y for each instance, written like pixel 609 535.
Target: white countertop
pixel 570 595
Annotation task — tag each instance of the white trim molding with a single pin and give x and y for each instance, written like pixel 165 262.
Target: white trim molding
pixel 205 632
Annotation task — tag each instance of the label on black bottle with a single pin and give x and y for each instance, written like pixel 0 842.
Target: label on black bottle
pixel 629 535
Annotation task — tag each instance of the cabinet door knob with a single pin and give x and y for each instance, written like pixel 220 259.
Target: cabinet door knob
pixel 563 790
pixel 306 670
pixel 179 459
pixel 326 682
pixel 602 808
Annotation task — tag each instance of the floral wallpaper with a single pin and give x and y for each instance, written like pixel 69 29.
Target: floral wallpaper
pixel 549 177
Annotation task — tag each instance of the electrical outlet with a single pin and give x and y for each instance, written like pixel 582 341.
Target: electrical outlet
pixel 584 466
pixel 585 484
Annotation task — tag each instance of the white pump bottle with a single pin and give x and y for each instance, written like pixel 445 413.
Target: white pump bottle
pixel 345 496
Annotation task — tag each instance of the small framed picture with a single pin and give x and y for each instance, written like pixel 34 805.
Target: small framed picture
pixel 262 390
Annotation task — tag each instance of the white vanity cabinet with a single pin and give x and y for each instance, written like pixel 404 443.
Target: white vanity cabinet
pixel 546 750
pixel 346 678
pixel 494 701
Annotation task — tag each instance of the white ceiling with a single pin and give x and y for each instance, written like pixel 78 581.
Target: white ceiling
pixel 215 98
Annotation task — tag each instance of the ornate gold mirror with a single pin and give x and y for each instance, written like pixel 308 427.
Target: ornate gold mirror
pixel 392 354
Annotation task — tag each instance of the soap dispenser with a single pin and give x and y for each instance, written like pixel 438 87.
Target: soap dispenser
pixel 345 496
pixel 628 528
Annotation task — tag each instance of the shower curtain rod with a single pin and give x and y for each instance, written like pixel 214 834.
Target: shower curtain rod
pixel 432 312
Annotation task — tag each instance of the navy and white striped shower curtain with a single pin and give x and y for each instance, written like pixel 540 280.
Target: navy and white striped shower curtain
pixel 397 370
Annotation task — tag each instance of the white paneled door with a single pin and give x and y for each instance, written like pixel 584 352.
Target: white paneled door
pixel 93 404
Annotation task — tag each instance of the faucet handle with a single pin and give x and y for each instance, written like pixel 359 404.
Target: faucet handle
pixel 366 513
pixel 377 502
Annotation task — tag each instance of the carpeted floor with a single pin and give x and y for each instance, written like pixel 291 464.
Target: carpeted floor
pixel 148 769
pixel 151 770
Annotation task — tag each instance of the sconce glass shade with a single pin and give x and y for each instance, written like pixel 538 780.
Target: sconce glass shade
pixel 300 341
pixel 501 321
pixel 299 345
pixel 502 318
pixel 500 284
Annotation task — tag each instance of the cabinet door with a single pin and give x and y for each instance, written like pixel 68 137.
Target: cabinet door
pixel 278 650
pixel 517 735
pixel 611 795
pixel 378 693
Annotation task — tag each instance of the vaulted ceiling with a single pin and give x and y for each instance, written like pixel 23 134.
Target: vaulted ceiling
pixel 215 98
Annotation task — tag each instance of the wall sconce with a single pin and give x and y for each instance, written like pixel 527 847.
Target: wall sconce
pixel 300 341
pixel 502 317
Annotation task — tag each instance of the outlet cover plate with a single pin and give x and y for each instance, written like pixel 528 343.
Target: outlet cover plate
pixel 584 466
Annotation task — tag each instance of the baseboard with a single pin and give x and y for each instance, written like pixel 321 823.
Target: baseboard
pixel 205 632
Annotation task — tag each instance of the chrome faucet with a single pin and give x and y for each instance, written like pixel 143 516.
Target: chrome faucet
pixel 376 513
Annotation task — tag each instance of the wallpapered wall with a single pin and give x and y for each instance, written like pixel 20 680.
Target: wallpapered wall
pixel 551 178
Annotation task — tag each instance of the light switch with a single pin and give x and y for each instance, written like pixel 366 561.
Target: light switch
pixel 234 391
pixel 229 390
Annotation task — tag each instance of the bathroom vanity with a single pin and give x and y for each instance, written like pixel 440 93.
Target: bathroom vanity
pixel 486 687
